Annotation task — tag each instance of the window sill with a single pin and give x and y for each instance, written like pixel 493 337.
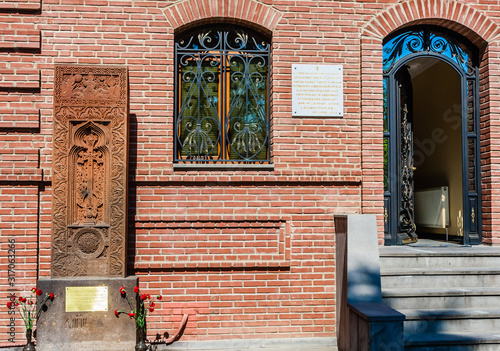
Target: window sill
pixel 222 167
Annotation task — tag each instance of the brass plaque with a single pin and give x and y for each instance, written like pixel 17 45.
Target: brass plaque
pixel 86 298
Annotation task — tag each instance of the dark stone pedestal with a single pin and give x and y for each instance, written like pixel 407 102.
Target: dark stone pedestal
pixel 93 331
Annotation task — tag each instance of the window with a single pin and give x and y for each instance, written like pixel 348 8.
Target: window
pixel 222 96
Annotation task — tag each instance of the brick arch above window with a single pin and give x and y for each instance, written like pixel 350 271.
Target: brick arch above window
pixel 185 12
pixel 459 17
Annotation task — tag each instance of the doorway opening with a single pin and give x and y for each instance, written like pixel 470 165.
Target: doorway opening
pixel 431 152
pixel 437 149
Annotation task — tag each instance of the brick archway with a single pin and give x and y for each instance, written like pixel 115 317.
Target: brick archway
pixel 459 17
pixel 469 23
pixel 186 12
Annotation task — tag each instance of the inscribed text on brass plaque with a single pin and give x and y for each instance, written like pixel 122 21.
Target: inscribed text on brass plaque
pixel 86 298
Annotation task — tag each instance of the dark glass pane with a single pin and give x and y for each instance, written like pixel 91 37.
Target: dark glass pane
pixel 402 45
pixel 472 165
pixel 446 45
pixel 385 106
pixel 470 106
pixel 247 114
pixel 386 164
pixel 198 121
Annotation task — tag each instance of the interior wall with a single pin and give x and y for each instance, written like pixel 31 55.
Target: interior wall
pixel 437 132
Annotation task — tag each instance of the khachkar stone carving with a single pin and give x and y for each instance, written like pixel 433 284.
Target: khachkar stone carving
pixel 90 158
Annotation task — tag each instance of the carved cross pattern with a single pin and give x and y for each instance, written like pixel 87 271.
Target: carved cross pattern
pixel 89 159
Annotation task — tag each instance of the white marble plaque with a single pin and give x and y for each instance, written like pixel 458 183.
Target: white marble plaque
pixel 317 90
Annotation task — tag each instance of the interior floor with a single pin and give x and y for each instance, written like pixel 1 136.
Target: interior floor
pixel 434 243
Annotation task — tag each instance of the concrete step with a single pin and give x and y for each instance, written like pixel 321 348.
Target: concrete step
pixel 451 320
pixel 438 257
pixel 450 296
pixel 447 277
pixel 442 298
pixel 458 341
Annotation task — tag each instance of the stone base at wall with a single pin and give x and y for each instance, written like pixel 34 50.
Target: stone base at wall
pixel 93 331
pixel 272 344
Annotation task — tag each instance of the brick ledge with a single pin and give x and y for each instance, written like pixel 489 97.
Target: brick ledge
pixel 212 264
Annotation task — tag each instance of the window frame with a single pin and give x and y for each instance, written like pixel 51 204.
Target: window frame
pixel 194 43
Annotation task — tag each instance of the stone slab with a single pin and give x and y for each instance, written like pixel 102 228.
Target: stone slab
pixel 317 90
pixel 86 331
pixel 90 171
pixel 363 265
pixel 376 311
pixel 375 326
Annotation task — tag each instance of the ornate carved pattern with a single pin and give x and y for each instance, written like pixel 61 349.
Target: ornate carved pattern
pixel 90 150
pixel 89 242
pixel 90 164
pixel 90 86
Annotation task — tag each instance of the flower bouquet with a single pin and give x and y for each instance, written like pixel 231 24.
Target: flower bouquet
pixel 29 312
pixel 145 304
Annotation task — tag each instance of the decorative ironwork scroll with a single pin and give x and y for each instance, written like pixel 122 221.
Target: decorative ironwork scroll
pixel 90 170
pixel 407 210
pixel 430 40
pixel 222 104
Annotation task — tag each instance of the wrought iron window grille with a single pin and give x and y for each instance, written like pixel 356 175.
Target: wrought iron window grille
pixel 222 96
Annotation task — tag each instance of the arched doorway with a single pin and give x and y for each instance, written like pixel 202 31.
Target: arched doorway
pixel 431 137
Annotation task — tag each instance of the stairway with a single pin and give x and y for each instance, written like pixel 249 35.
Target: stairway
pixel 450 295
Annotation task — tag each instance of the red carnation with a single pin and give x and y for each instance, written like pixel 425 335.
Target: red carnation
pixel 22 299
pixel 136 289
pixel 9 304
pixel 51 296
pixel 143 297
pixel 131 314
pixel 151 309
pixel 33 289
pixel 39 292
pixel 116 313
pixel 122 290
pixel 159 297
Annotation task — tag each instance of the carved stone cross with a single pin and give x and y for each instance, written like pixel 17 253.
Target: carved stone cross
pixel 90 171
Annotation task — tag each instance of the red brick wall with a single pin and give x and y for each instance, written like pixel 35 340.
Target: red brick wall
pixel 276 226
